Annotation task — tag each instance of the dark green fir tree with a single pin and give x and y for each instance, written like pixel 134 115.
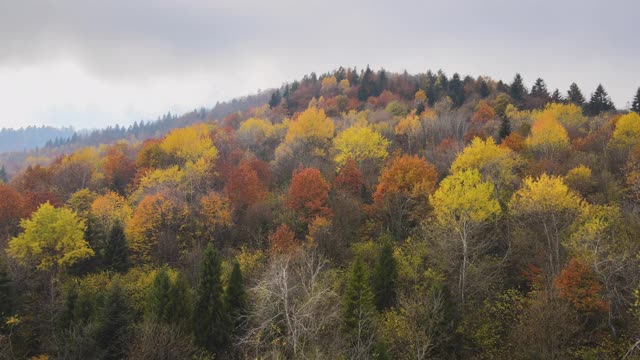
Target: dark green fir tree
pixel 209 315
pixel 517 89
pixel 235 297
pixel 385 278
pixel 574 95
pixel 116 253
pixel 600 101
pixel 113 333
pixel 635 105
pixel 358 312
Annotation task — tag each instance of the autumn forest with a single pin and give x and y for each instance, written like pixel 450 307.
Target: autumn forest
pixel 356 214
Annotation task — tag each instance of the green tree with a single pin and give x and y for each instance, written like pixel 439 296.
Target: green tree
pixel 505 128
pixel 635 105
pixel 179 300
pixel 235 297
pixel 116 253
pixel 3 175
pixel 158 307
pixel 456 90
pixel 600 101
pixel 358 311
pixel 209 315
pixel 484 89
pixel 539 89
pixel 556 97
pixel 517 89
pixel 385 278
pixel 574 95
pixel 6 293
pixel 114 329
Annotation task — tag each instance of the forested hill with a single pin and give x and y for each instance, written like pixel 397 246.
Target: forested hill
pixel 30 137
pixel 352 215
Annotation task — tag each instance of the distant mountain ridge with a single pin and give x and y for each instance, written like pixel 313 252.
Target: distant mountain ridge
pixel 30 137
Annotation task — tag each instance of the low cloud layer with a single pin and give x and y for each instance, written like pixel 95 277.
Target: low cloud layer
pixel 93 63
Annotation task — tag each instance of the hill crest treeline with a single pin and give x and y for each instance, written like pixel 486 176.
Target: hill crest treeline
pixel 351 215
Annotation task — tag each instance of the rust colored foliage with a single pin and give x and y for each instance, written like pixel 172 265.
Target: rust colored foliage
pixel 308 194
pixel 244 186
pixel 515 142
pixel 579 285
pixel 484 112
pixel 282 241
pixel 474 133
pixel 349 178
pixel 407 175
pixel 118 168
pixel 383 100
pixel 11 209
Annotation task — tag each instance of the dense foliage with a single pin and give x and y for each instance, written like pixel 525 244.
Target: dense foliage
pixel 349 215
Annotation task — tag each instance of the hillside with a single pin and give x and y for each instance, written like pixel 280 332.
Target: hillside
pixel 355 214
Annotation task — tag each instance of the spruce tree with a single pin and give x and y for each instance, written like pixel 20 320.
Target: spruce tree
pixel 505 128
pixel 484 89
pixel 275 99
pixel 385 278
pixel 456 90
pixel 116 255
pixel 114 329
pixel 179 301
pixel 235 297
pixel 3 175
pixel 6 293
pixel 600 101
pixel 517 89
pixel 574 95
pixel 209 316
pixel 635 105
pixel 158 308
pixel 358 314
pixel 556 97
pixel 539 89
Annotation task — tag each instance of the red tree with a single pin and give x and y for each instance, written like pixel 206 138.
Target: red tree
pixel 308 194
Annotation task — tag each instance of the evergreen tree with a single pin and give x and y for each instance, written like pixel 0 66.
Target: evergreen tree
pixel 235 297
pixel 505 128
pixel 358 314
pixel 600 101
pixel 539 89
pixel 456 90
pixel 158 308
pixel 6 294
pixel 635 105
pixel 114 328
pixel 517 89
pixel 116 252
pixel 574 95
pixel 3 175
pixel 179 301
pixel 484 89
pixel 556 97
pixel 275 99
pixel 385 278
pixel 209 316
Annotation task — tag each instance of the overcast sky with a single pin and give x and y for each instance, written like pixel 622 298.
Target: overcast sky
pixel 91 63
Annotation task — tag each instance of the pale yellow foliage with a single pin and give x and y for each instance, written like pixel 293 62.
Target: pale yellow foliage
pixel 312 124
pixel 547 136
pixel 627 132
pixel 361 144
pixel 190 143
pixel 111 209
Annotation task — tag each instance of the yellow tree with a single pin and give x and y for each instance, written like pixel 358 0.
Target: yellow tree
pixel 463 203
pixel 109 209
pixel 254 133
pixel 363 145
pixel 548 207
pixel 52 240
pixel 569 115
pixel 312 124
pixel 548 137
pixel 627 133
pixel 190 143
pixel 496 164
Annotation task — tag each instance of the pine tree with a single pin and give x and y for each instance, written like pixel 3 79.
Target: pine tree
pixel 116 252
pixel 3 175
pixel 484 89
pixel 505 128
pixel 114 328
pixel 209 316
pixel 556 97
pixel 517 89
pixel 600 101
pixel 179 301
pixel 574 95
pixel 358 314
pixel 158 308
pixel 235 297
pixel 385 278
pixel 275 99
pixel 6 294
pixel 635 105
pixel 456 90
pixel 539 89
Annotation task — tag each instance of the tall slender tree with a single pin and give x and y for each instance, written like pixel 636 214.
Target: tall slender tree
pixel 574 95
pixel 556 97
pixel 635 105
pixel 235 297
pixel 517 89
pixel 385 278
pixel 358 314
pixel 114 329
pixel 209 315
pixel 6 294
pixel 600 101
pixel 484 89
pixel 158 308
pixel 116 253
pixel 539 89
pixel 505 128
pixel 3 175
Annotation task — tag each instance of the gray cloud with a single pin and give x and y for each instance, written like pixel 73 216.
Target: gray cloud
pixel 561 41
